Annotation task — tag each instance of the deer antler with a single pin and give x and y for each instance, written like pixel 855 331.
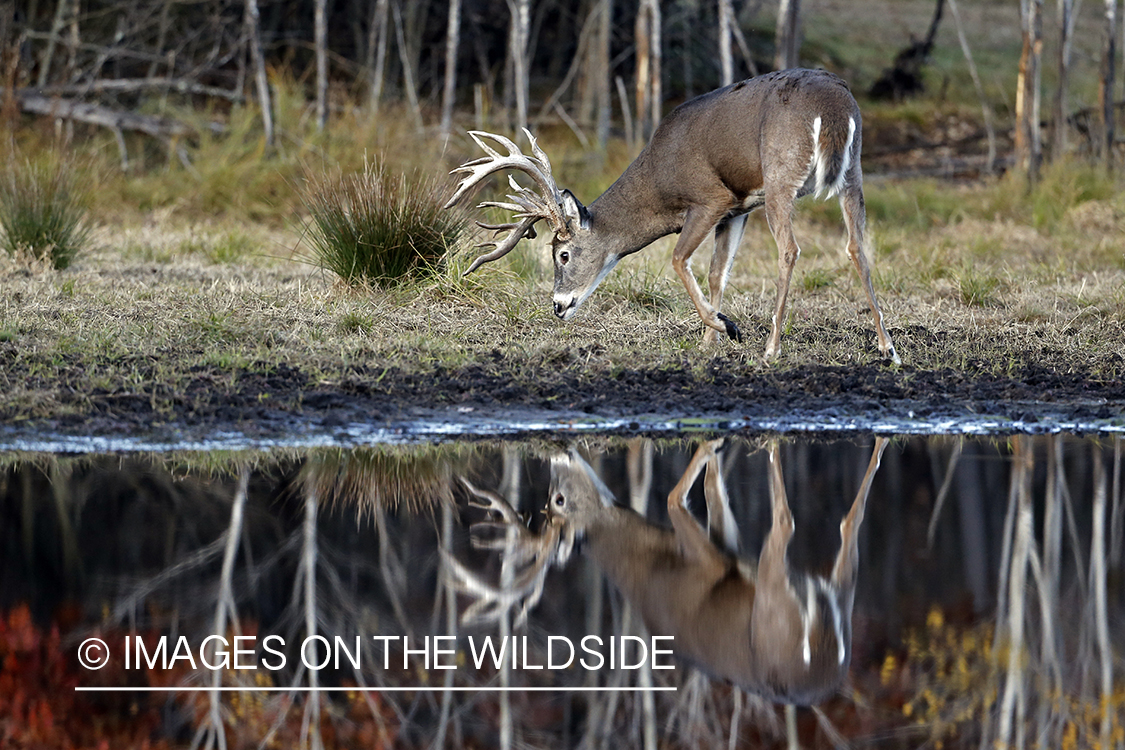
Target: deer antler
pixel 527 205
pixel 527 555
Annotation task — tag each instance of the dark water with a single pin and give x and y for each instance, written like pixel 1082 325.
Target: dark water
pixel 1000 613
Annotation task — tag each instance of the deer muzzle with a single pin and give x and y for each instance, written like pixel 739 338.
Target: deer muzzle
pixel 565 307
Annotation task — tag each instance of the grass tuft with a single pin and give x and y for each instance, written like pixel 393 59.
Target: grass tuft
pixel 375 227
pixel 978 289
pixel 43 211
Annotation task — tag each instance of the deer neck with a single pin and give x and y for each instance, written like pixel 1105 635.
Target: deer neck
pixel 631 214
pixel 626 548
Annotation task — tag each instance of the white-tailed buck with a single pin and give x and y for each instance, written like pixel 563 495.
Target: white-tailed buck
pixel 763 142
pixel 783 635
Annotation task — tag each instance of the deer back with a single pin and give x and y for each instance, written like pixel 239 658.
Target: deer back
pixel 734 144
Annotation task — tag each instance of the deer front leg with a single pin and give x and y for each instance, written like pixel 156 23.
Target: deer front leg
pixel 696 226
pixel 728 236
pixel 694 542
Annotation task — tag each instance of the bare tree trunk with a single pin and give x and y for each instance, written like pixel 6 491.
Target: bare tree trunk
pixel 690 13
pixel 1029 149
pixel 585 76
pixel 788 36
pixel 1098 587
pixel 1117 517
pixel 642 40
pixel 161 36
pixel 602 73
pixel 1062 92
pixel 743 45
pixel 377 50
pixel 56 29
pixel 321 41
pixel 626 115
pixel 407 68
pixel 452 39
pixel 517 55
pixel 986 110
pixel 649 91
pixel 253 32
pixel 1013 698
pixel 1105 90
pixel 726 59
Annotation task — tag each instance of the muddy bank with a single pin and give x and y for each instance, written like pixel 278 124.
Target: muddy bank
pixel 278 402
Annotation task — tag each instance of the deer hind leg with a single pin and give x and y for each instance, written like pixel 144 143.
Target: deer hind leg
pixel 772 563
pixel 847 561
pixel 779 215
pixel 694 542
pixel 780 622
pixel 728 236
pixel 855 217
pixel 696 226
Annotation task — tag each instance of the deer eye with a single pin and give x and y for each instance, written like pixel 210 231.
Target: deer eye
pixel 558 500
pixel 564 257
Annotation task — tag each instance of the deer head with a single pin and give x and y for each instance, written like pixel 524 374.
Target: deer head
pixel 577 495
pixel 577 270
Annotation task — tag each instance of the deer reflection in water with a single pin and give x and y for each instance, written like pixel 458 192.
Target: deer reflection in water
pixel 783 635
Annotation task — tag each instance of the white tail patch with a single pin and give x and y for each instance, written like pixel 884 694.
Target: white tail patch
pixel 819 163
pixel 837 618
pixel 845 162
pixel 822 163
pixel 808 614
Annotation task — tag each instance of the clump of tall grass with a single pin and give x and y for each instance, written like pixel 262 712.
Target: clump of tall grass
pixel 43 211
pixel 376 227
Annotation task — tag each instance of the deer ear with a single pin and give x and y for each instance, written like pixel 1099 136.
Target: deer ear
pixel 575 213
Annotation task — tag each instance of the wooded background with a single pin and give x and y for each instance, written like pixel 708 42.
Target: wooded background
pixel 591 64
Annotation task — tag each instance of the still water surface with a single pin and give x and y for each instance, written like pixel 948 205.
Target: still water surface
pixel 361 597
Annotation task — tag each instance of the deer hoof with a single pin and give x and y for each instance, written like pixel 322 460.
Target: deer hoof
pixel 732 329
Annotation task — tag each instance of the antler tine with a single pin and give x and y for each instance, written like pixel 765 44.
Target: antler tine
pixel 542 157
pixel 503 247
pixel 492 502
pixel 497 227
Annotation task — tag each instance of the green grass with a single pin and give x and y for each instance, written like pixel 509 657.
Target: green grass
pixel 978 288
pixel 815 279
pixel 43 209
pixel 378 227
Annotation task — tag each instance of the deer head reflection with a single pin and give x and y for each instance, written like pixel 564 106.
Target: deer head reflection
pixel 783 635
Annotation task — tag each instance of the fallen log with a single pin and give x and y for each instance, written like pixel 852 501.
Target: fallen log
pixel 133 85
pixel 95 114
pixel 165 129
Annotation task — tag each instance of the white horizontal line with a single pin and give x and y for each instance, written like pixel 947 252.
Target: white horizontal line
pixel 306 689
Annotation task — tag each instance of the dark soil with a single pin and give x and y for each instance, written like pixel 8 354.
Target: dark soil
pixel 270 400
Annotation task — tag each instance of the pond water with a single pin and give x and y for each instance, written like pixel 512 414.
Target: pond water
pixel 360 597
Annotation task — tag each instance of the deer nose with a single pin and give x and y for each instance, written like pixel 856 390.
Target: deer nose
pixel 561 309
